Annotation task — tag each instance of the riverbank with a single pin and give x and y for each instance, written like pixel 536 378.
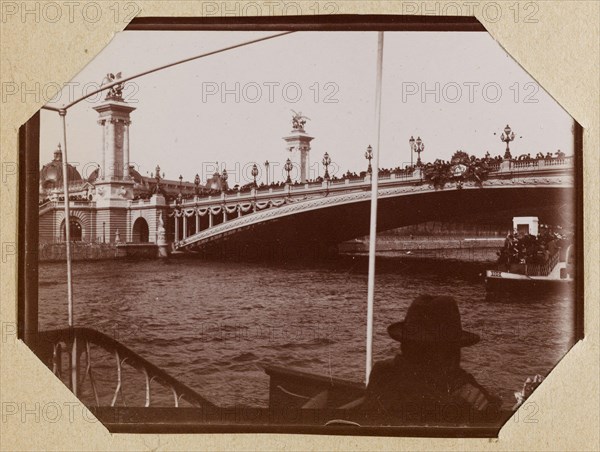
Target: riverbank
pixel 84 251
pixel 460 248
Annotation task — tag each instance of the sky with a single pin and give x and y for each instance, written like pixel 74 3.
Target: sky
pixel 456 90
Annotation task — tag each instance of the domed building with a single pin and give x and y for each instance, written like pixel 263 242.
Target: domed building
pixel 52 228
pixel 51 175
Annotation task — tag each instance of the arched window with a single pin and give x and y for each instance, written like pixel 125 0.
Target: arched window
pixel 75 229
pixel 140 231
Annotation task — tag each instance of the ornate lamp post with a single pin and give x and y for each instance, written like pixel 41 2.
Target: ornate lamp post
pixel 267 170
pixel 224 176
pixel 197 184
pixel 411 143
pixel 288 167
pixel 326 162
pixel 180 195
pixel 254 173
pixel 369 157
pixel 419 147
pixel 507 137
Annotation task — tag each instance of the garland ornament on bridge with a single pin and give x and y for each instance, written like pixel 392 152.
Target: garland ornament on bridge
pixel 215 210
pixel 461 168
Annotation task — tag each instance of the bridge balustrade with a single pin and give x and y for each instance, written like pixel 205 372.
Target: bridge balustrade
pixel 524 163
pixel 494 165
pixel 557 161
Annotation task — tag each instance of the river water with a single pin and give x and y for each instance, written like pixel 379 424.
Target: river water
pixel 214 325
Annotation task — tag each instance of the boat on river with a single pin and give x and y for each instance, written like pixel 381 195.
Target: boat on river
pixel 556 273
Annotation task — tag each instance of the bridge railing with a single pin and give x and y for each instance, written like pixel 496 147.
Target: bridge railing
pixel 524 163
pixel 494 165
pixel 56 345
pixel 557 161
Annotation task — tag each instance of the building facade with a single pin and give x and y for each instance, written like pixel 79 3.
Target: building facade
pixel 115 204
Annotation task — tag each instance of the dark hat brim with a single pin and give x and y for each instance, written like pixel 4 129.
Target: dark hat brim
pixel 396 332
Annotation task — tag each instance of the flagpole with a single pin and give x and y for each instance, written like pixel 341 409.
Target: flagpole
pixel 73 377
pixel 374 194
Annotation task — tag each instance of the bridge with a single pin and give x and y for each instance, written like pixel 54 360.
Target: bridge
pixel 322 214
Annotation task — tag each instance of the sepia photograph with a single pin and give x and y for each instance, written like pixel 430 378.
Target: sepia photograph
pixel 363 228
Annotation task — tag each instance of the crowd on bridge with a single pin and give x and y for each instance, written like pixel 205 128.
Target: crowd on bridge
pixel 436 172
pixel 559 155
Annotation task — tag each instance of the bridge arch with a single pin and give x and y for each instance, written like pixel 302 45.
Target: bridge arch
pixel 140 232
pixel 323 215
pixel 327 221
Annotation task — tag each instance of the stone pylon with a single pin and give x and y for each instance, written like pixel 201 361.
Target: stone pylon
pixel 114 186
pixel 298 149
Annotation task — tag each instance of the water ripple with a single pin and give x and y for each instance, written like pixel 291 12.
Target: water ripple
pixel 215 325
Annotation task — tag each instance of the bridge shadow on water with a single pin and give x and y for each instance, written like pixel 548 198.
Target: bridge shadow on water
pixel 429 271
pixel 328 259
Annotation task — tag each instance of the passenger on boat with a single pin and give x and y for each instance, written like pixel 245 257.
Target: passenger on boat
pixel 425 382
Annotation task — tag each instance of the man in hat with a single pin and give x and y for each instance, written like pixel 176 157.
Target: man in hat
pixel 425 382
